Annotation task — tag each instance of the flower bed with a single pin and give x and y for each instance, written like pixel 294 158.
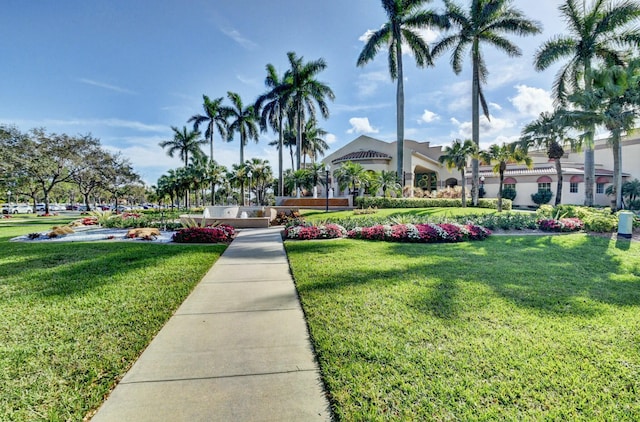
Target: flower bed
pixel 218 234
pixel 418 233
pixel 561 225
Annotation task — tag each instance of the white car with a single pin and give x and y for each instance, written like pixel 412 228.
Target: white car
pixel 19 209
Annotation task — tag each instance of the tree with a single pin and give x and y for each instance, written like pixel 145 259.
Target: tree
pixel 214 117
pixel 613 102
pixel 350 174
pixel 312 143
pixel 406 19
pixel 261 178
pixel 243 121
pixel 272 107
pixel 238 176
pixel 184 142
pixel 549 132
pixel 593 36
pixel 456 156
pixel 90 175
pixel 305 92
pixel 501 156
pixel 486 22
pixel 119 177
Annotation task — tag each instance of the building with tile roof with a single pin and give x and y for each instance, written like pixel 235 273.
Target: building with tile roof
pixel 422 169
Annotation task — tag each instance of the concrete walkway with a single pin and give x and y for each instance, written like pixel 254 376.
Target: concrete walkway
pixel 237 349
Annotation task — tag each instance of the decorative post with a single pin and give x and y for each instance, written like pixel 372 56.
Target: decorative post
pixel 327 168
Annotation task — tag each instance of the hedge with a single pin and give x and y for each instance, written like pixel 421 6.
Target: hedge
pixel 382 202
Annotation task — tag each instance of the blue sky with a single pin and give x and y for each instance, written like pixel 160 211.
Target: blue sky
pixel 126 71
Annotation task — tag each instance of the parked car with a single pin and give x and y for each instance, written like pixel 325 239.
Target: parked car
pixel 18 209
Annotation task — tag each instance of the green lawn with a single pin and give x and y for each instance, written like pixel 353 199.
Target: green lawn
pixel 512 328
pixel 75 316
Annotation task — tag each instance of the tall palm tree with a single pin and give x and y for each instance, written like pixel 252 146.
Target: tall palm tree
pixel 594 36
pixel 272 107
pixel 184 142
pixel 214 118
pixel 486 22
pixel 456 156
pixel 501 155
pixel 216 176
pixel 549 131
pixel 305 92
pixel 614 102
pixel 406 18
pixel 243 121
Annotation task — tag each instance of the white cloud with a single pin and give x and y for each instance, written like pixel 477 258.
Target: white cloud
pixel 487 128
pixel 495 106
pixel 532 101
pixel 331 138
pixel 239 38
pixel 368 82
pixel 428 35
pixel 428 117
pixel 106 86
pixel 361 125
pixel 112 123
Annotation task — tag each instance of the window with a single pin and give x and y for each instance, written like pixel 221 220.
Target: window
pixel 544 186
pixel 573 187
pixel 509 186
pixel 599 187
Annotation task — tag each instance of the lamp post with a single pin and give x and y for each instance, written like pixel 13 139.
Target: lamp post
pixel 327 169
pixel 481 193
pixel 8 197
pixel 249 174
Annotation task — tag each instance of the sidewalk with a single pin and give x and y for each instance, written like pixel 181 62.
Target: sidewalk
pixel 237 349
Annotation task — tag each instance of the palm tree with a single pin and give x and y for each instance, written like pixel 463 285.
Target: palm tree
pixel 456 156
pixel 350 174
pixel 486 22
pixel 312 142
pixel 238 175
pixel 216 176
pixel 214 117
pixel 593 36
pixel 406 18
pixel 261 177
pixel 183 142
pixel 271 107
pixel 548 131
pixel 243 121
pixel 305 92
pixel 501 156
pixel 614 102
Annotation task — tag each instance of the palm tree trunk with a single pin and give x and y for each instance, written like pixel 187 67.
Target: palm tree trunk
pixel 589 159
pixel 464 189
pixel 500 191
pixel 280 156
pixel 560 180
pixel 298 136
pixel 400 113
pixel 617 170
pixel 475 126
pixel 241 151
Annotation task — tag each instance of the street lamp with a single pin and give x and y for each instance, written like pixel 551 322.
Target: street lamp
pixel 481 193
pixel 249 174
pixel 327 169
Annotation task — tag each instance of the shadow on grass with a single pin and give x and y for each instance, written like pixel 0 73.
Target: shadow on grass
pixel 561 275
pixel 74 268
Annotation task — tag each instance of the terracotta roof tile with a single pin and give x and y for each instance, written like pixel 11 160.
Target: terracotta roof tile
pixel 363 155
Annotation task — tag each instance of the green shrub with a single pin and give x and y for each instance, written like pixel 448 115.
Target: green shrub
pixel 509 193
pixel 600 223
pixel 381 202
pixel 545 211
pixel 541 197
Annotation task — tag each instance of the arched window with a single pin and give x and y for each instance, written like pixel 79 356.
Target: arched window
pixel 574 183
pixel 601 182
pixel 509 182
pixel 544 183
